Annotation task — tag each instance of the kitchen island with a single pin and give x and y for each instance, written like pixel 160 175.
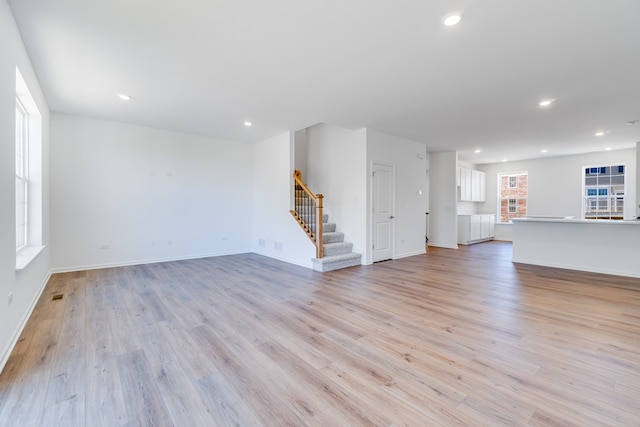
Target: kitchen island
pixel 600 246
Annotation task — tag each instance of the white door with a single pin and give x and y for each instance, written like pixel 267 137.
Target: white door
pixel 383 187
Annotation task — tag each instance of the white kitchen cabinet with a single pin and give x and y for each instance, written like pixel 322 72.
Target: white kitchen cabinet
pixel 466 184
pixel 476 228
pixel 471 185
pixel 478 179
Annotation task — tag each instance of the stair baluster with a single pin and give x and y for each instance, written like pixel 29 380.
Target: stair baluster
pixel 308 212
pixel 332 252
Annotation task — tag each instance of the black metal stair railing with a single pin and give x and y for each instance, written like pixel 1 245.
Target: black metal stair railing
pixel 308 212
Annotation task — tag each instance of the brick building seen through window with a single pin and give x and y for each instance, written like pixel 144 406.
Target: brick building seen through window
pixel 513 190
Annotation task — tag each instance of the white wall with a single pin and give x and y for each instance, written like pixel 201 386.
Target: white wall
pixel 25 285
pixel 411 192
pixel 124 194
pixel 300 150
pixel 275 232
pixel 637 205
pixel 337 168
pixel 443 220
pixel 555 184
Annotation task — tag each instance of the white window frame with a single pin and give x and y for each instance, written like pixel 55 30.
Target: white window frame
pixel 22 176
pixel 603 203
pixel 503 197
pixel 28 173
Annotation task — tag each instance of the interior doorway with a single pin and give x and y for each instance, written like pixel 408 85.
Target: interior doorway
pixel 382 199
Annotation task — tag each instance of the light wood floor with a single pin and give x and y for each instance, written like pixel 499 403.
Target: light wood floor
pixel 449 338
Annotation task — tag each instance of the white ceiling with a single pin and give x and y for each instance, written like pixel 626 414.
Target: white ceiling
pixel 206 66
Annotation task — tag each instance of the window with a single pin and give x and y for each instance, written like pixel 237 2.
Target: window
pixel 22 177
pixel 604 188
pixel 512 203
pixel 595 171
pixel 28 171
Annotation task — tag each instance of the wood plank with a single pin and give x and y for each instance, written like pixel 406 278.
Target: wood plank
pixel 452 337
pixel 140 391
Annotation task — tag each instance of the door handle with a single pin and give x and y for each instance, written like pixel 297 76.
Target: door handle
pixel 391 217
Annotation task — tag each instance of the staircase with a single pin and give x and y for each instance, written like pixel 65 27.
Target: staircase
pixel 332 252
pixel 337 253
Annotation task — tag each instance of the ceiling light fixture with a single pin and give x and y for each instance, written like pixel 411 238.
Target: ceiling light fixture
pixel 504 160
pixel 248 124
pixel 124 97
pixel 546 102
pixel 477 151
pixel 544 151
pixel 608 149
pixel 452 19
pixel 599 133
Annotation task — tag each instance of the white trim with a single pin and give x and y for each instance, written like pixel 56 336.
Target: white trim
pixel 284 259
pixel 411 254
pixel 27 254
pixel 609 187
pixel 4 357
pixel 370 208
pixel 499 198
pixel 145 261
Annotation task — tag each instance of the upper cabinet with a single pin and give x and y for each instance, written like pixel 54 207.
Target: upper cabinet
pixel 471 185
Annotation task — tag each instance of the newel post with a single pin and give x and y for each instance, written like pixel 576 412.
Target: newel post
pixel 319 242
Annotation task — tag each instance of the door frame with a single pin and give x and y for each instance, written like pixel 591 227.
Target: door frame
pixel 371 206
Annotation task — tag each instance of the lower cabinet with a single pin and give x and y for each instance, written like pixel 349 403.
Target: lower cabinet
pixel 476 228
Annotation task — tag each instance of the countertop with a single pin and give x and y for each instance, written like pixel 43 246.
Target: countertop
pixel 570 220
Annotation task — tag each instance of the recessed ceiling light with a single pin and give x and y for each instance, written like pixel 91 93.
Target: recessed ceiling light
pixel 599 133
pixel 124 97
pixel 544 151
pixel 608 149
pixel 477 151
pixel 504 160
pixel 248 124
pixel 452 19
pixel 546 102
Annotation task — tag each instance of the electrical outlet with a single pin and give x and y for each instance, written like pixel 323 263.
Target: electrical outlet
pixel 277 245
pixel 261 242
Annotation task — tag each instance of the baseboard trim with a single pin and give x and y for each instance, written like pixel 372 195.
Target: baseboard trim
pixel 142 262
pixel 284 259
pixel 422 252
pixel 25 318
pixel 445 245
